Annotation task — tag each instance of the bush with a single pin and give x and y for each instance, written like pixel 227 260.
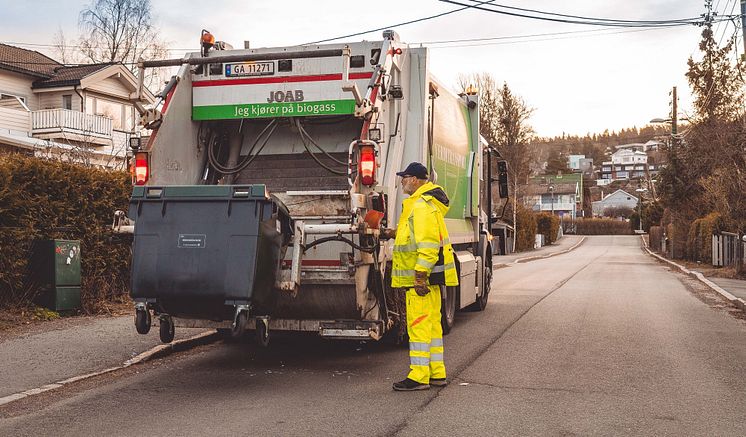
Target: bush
pixel 620 211
pixel 526 229
pixel 53 200
pixel 599 226
pixel 654 240
pixel 547 224
pixel 677 232
pixel 699 238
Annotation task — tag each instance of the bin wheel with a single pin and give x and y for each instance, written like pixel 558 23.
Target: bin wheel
pixel 167 330
pixel 142 321
pixel 239 329
pixel 262 333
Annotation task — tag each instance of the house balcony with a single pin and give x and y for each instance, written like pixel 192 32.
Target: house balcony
pixel 71 125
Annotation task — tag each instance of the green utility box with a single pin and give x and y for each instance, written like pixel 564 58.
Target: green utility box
pixel 55 266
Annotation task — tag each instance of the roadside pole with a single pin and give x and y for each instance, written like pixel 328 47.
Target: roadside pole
pixel 743 27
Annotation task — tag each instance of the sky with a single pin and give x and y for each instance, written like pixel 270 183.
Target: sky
pixel 581 79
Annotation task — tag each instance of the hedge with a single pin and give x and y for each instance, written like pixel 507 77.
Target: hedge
pixel 548 224
pixel 654 240
pixel 41 200
pixel 699 239
pixel 526 229
pixel 598 226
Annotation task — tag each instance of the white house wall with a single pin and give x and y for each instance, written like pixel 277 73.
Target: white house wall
pixel 18 85
pixel 18 122
pixel 53 100
pixel 111 87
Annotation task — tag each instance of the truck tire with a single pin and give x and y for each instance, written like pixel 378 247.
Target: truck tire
pixel 167 330
pixel 448 308
pixel 481 302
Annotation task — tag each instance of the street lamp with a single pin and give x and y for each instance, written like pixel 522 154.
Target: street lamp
pixel 551 192
pixel 639 208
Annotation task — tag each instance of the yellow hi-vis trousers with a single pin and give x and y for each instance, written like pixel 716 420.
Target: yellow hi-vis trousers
pixel 425 336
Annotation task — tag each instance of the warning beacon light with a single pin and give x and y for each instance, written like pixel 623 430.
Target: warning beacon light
pixel 367 166
pixel 207 40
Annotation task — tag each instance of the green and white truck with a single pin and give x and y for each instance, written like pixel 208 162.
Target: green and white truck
pixel 309 138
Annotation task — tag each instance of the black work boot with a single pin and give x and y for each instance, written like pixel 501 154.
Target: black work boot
pixel 410 385
pixel 438 382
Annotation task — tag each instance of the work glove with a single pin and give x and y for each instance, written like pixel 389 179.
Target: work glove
pixel 420 283
pixel 388 234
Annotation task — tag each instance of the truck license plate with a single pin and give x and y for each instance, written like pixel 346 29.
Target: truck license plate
pixel 249 69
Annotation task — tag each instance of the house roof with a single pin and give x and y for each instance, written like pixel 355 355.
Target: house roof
pixel 68 76
pixel 622 192
pixel 26 61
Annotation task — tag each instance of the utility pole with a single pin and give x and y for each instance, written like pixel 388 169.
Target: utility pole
pixel 743 27
pixel 674 111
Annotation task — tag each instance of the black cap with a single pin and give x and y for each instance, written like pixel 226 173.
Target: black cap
pixel 414 169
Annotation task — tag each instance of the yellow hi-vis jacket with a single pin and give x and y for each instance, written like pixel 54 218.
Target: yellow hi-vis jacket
pixel 422 242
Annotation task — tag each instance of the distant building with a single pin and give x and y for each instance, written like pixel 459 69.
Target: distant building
pixel 642 147
pixel 573 161
pixel 577 179
pixel 626 163
pixel 561 198
pixel 586 167
pixel 618 199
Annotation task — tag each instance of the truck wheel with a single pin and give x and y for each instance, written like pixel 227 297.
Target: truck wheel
pixel 447 308
pixel 142 321
pixel 167 330
pixel 481 302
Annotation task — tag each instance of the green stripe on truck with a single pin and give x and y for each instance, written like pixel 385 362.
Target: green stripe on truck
pixel 266 110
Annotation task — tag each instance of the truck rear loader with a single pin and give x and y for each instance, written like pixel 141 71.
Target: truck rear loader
pixel 261 194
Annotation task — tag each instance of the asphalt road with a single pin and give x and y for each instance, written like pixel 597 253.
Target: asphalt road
pixel 600 341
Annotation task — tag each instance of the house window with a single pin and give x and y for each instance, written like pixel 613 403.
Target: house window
pixel 67 101
pixel 12 101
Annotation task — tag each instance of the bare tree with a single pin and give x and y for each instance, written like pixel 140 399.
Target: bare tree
pixel 121 31
pixel 504 124
pixel 66 52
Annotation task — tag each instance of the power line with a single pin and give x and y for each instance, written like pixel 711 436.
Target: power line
pixel 610 20
pixel 418 20
pixel 491 43
pixel 587 20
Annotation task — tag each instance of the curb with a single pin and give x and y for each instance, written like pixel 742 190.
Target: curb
pixel 535 257
pixel 737 301
pixel 156 352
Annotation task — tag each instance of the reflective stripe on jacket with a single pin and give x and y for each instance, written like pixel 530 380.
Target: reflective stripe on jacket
pixel 422 242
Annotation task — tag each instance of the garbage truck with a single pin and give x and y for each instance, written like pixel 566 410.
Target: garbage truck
pixel 269 174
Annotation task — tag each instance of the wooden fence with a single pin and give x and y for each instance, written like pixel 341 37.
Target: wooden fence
pixel 727 249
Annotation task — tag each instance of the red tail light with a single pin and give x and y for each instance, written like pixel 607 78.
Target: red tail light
pixel 141 171
pixel 368 165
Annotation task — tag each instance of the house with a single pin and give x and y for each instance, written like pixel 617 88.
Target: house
pixel 573 161
pixel 47 107
pixel 576 178
pixel 619 199
pixel 626 163
pixel 560 198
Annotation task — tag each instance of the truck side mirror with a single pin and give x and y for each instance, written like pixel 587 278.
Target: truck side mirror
pixel 502 178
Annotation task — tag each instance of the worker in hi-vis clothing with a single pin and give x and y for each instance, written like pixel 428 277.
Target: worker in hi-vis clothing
pixel 422 263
